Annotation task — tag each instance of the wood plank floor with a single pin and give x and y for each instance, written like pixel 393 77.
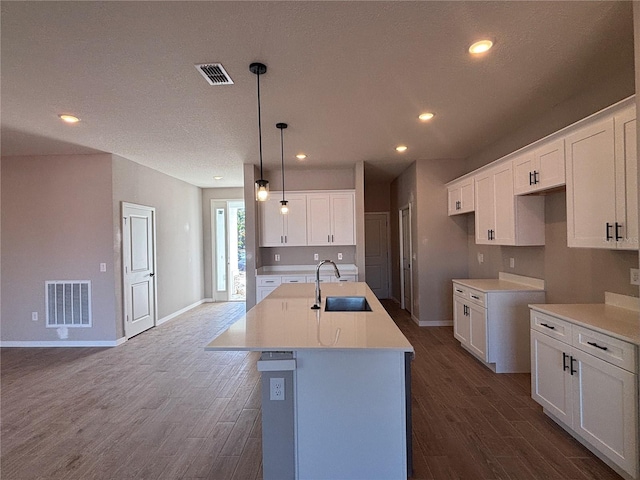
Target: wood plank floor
pixel 160 407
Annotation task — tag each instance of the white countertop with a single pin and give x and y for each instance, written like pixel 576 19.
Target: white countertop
pixel 284 321
pixel 621 323
pixel 506 282
pixel 487 285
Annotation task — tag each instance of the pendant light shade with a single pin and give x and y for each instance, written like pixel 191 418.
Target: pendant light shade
pixel 284 209
pixel 262 185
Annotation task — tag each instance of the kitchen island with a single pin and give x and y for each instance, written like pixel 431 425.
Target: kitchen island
pixel 335 385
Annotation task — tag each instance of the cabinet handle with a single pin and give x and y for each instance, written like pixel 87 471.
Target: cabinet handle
pixel 530 178
pixel 331 238
pixel 548 326
pixel 572 371
pixel 535 177
pixel 618 236
pixel 475 296
pixel 609 237
pixel 565 367
pixel 493 234
pixel 594 344
pixel 458 205
pixel 293 281
pixel 488 234
pixel 459 291
pixel 285 239
pixel 328 239
pixel 466 311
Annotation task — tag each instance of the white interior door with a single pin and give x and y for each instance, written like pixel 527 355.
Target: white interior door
pixel 376 249
pixel 405 258
pixel 138 252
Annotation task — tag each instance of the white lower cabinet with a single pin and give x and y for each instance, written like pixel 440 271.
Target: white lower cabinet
pixel 587 381
pixel 265 284
pixel 494 325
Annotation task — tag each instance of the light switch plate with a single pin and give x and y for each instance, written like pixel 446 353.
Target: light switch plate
pixel 635 276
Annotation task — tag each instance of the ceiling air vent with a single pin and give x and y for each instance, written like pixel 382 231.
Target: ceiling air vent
pixel 215 74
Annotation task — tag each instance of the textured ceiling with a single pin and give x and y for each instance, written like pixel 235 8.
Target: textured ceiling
pixel 349 78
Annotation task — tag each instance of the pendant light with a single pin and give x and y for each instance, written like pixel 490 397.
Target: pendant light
pixel 284 209
pixel 262 185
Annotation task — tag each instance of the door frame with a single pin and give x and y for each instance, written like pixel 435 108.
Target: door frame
pixel 214 263
pixel 125 249
pixel 402 284
pixel 388 233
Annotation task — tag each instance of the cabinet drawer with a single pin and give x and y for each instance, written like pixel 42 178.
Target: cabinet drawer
pixel 344 278
pixel 268 281
pixel 323 278
pixel 294 279
pixel 609 349
pixel 552 326
pixel 476 297
pixel 460 291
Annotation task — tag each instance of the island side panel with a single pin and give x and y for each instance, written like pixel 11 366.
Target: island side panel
pixel 351 414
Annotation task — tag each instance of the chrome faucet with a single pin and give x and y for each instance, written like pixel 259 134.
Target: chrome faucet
pixel 337 272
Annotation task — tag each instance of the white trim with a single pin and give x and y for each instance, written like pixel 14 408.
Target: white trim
pixel 65 343
pixel 530 281
pixel 622 301
pixel 180 312
pixel 207 300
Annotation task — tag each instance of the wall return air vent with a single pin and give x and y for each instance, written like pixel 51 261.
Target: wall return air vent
pixel 68 303
pixel 214 74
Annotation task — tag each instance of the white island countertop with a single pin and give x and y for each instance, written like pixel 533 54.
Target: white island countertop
pixel 284 320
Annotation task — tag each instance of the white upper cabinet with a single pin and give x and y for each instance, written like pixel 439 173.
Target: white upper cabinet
pixel 461 196
pixel 602 205
pixel 278 230
pixel 540 169
pixel 331 218
pixel 502 218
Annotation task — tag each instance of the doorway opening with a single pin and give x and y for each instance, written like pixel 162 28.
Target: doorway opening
pixel 229 255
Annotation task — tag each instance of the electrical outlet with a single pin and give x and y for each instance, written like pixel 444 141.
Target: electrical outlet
pixel 339 256
pixel 103 267
pixel 315 256
pixel 480 258
pixel 635 276
pixel 512 262
pixel 277 257
pixel 276 389
pixel 34 316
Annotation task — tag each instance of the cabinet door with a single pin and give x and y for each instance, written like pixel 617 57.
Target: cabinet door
pixel 454 200
pixel 549 165
pixel 478 331
pixel 342 219
pixel 504 205
pixel 484 207
pixel 467 197
pixel 626 178
pixel 523 173
pixel 262 292
pixel 318 219
pixel 551 384
pixel 606 409
pixel 296 221
pixel 271 223
pixel 461 326
pixel 591 190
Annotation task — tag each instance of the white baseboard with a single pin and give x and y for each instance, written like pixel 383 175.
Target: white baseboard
pixel 181 311
pixel 425 323
pixel 62 343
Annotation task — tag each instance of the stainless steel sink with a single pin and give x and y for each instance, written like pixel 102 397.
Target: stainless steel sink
pixel 346 304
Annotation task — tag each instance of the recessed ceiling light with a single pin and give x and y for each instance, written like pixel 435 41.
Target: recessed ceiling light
pixel 426 116
pixel 401 148
pixel 217 178
pixel 301 156
pixel 480 46
pixel 68 118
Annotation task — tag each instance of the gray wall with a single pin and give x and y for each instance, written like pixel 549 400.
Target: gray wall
pixel 377 195
pixel 439 243
pixel 573 275
pixel 179 256
pixel 209 194
pixel 57 224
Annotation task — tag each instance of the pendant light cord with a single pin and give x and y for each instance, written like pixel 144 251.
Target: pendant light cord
pixel 282 156
pixel 259 126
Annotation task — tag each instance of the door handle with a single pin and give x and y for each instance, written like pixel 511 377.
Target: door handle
pixel 618 236
pixel 151 274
